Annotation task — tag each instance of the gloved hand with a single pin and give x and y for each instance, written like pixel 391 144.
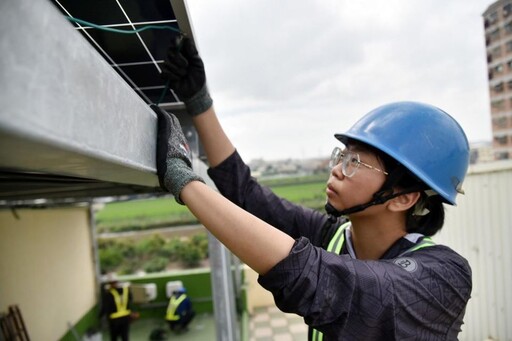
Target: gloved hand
pixel 185 71
pixel 173 163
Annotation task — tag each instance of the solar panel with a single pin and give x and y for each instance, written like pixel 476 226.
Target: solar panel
pixel 66 153
pixel 136 57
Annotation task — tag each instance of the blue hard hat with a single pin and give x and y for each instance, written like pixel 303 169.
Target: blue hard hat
pixel 423 138
pixel 180 290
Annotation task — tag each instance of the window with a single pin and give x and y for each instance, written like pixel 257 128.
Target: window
pixel 499 122
pixel 498 87
pixel 498 68
pixel 507 9
pixel 492 18
pixel 496 52
pixel 501 140
pixel 509 64
pixel 502 156
pixel 494 35
pixel 508 27
pixel 499 104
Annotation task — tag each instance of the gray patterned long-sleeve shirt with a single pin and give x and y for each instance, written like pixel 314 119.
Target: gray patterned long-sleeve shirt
pixel 419 295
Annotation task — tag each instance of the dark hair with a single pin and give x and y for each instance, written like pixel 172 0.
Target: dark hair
pixel 428 224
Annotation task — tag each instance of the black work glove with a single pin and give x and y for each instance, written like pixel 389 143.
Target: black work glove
pixel 185 71
pixel 173 163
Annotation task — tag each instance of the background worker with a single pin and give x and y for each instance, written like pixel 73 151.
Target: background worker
pixel 366 270
pixel 179 311
pixel 115 303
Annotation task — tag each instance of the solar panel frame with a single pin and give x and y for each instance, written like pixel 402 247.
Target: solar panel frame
pixel 138 57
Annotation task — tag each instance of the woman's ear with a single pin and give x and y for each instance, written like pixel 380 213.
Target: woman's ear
pixel 403 202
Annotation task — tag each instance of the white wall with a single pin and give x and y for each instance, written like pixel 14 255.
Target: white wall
pixel 46 268
pixel 480 229
pixel 256 295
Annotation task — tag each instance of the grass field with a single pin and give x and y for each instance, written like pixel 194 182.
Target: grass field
pixel 164 211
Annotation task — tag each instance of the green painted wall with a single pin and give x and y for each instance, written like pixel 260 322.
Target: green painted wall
pixel 196 281
pixel 89 320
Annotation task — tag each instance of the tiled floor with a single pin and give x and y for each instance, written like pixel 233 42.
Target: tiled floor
pixel 271 324
pixel 265 324
pixel 202 328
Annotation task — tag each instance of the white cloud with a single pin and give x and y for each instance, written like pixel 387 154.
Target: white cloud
pixel 286 75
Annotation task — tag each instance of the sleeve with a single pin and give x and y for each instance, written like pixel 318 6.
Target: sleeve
pixel 334 292
pixel 234 181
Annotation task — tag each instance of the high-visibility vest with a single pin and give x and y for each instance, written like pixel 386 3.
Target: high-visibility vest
pixel 173 305
pixel 121 303
pixel 335 245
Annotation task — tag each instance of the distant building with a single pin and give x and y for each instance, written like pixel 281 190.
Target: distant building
pixel 498 41
pixel 261 168
pixel 481 152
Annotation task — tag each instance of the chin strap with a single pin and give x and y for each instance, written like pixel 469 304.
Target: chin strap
pixel 378 198
pixel 383 195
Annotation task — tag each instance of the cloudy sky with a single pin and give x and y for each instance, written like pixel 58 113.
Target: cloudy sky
pixel 285 75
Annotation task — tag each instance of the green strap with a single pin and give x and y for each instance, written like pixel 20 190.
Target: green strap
pixel 121 303
pixel 426 242
pixel 173 305
pixel 338 239
pixel 335 246
pixel 317 336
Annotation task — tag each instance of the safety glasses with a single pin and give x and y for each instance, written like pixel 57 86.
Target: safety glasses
pixel 350 162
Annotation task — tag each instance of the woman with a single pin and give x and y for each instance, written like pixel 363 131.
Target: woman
pixel 366 270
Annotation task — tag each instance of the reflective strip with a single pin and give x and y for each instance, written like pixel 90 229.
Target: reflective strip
pixel 317 336
pixel 173 305
pixel 426 242
pixel 338 239
pixel 121 303
pixel 335 246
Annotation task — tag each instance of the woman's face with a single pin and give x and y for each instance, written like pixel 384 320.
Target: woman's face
pixel 345 192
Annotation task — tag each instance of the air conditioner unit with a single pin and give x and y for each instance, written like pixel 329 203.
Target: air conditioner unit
pixel 172 286
pixel 143 293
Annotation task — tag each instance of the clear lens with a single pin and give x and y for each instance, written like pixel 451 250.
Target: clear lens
pixel 336 156
pixel 350 164
pixel 349 161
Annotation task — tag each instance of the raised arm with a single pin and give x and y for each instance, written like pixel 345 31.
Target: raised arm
pixel 216 143
pixel 255 242
pixel 184 69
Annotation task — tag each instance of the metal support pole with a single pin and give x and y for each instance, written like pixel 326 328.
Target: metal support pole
pixel 223 291
pixel 94 246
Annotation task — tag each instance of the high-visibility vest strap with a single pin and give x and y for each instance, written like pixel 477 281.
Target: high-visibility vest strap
pixel 335 245
pixel 317 336
pixel 174 303
pixel 425 242
pixel 120 314
pixel 337 241
pixel 121 303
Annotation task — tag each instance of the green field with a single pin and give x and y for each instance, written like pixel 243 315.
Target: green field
pixel 164 211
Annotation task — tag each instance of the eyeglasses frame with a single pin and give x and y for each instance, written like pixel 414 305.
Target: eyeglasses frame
pixel 359 162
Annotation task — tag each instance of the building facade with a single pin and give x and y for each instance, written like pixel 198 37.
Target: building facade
pixel 498 41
